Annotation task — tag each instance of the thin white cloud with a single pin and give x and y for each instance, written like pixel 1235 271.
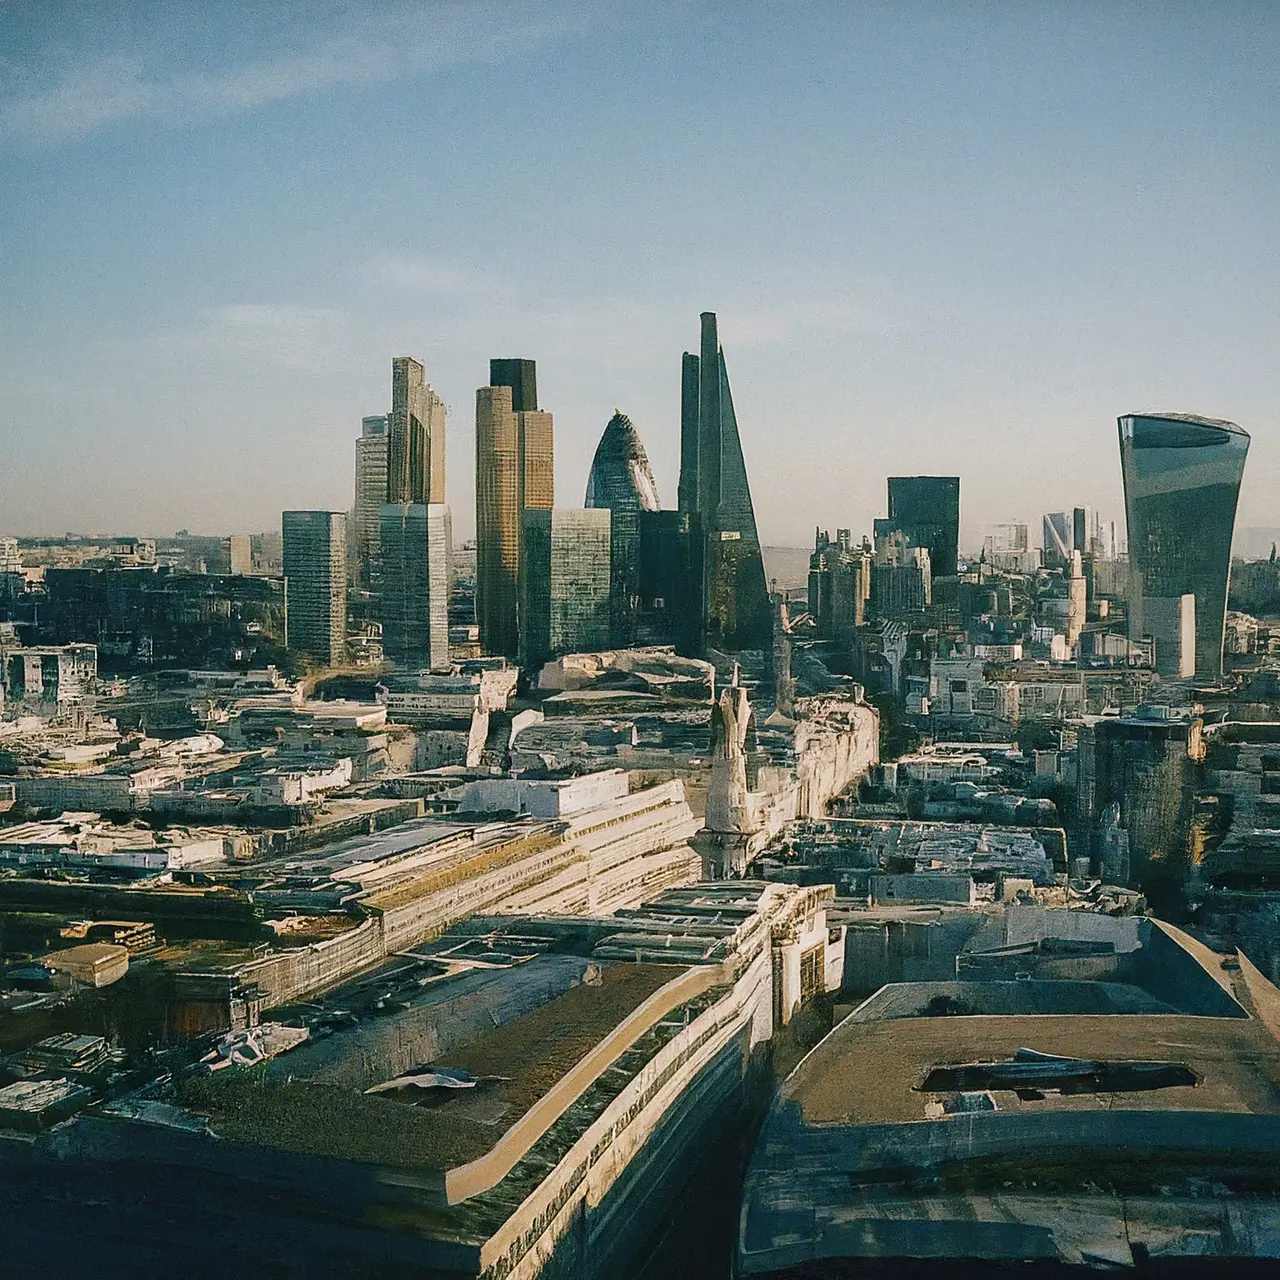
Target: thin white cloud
pixel 419 274
pixel 93 89
pixel 254 335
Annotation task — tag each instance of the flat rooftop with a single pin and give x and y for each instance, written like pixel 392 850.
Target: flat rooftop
pixel 873 1073
pixel 516 1063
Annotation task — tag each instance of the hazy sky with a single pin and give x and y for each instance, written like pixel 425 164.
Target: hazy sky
pixel 954 238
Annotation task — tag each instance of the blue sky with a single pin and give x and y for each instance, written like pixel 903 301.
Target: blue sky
pixel 953 238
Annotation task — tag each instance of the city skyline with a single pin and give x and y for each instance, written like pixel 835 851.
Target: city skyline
pixel 1020 184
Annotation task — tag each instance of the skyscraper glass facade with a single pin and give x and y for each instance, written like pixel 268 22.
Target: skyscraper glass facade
pixel 1181 484
pixel 713 483
pixel 564 583
pixel 315 566
pixel 622 481
pixel 927 510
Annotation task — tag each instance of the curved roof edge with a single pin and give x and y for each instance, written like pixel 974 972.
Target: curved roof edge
pixel 1193 419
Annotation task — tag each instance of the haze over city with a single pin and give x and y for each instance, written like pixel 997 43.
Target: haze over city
pixel 936 241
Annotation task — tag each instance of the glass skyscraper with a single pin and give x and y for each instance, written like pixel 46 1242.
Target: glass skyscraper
pixel 713 485
pixel 1181 483
pixel 927 510
pixel 622 480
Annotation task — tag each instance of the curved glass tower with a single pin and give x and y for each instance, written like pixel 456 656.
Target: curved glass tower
pixel 622 480
pixel 1181 482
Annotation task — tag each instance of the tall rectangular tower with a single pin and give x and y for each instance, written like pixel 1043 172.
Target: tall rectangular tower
pixel 564 583
pixel 521 376
pixel 927 510
pixel 415 451
pixel 315 565
pixel 371 493
pixel 413 595
pixel 515 472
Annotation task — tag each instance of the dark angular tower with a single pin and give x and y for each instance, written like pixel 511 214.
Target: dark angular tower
pixel 622 481
pixel 927 510
pixel 713 484
pixel 521 376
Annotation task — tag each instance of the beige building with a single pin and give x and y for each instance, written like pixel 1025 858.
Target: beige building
pixel 514 473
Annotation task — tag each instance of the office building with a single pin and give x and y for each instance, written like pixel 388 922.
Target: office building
pixel 1144 763
pixel 621 480
pixel 839 586
pixel 371 493
pixel 564 583
pixel 671 552
pixel 735 608
pixel 1086 531
pixel 1077 600
pixel 927 510
pixel 413 587
pixel 522 377
pixel 1058 539
pixel 1181 483
pixel 403 542
pixel 315 567
pixel 514 472
pixel 415 436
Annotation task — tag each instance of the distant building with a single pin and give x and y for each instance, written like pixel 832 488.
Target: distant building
pixel 48 674
pixel 415 436
pixel 622 481
pixel 1181 483
pixel 514 472
pixel 1086 531
pixel 839 586
pixel 403 539
pixel 1142 763
pixel 735 608
pixel 1077 600
pixel 371 493
pixel 141 617
pixel 239 554
pixel 315 565
pixel 927 510
pixel 671 551
pixel 901 576
pixel 564 583
pixel 414 583
pixel 1058 539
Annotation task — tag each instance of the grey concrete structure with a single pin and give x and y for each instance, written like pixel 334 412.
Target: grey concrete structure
pixel 1045 1126
pixel 1181 482
pixel 315 566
